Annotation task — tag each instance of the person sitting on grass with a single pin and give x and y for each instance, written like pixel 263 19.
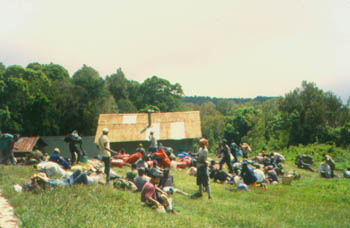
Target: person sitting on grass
pixel 301 164
pixel 277 158
pixel 272 175
pixel 131 174
pixel 330 162
pixel 248 174
pixel 57 158
pixel 166 184
pixel 34 157
pixel 141 179
pixel 152 196
pixel 217 174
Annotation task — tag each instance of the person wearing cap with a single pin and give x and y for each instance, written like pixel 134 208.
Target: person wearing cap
pixel 57 158
pixel 154 145
pixel 105 152
pixel 226 158
pixel 245 150
pixel 149 191
pixel 7 144
pixel 202 172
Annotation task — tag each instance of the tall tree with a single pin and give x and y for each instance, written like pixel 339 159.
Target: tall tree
pixel 94 99
pixel 308 113
pixel 161 93
pixel 118 85
pixel 25 100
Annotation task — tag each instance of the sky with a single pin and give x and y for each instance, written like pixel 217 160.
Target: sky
pixel 226 48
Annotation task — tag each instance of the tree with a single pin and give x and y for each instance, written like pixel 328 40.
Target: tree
pixel 309 113
pixel 25 101
pixel 93 98
pixel 240 123
pixel 2 70
pixel 161 93
pixel 126 106
pixel 118 85
pixel 212 123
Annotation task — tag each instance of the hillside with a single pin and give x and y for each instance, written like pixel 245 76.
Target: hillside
pixel 308 202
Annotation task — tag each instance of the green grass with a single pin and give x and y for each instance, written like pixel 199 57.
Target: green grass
pixel 309 202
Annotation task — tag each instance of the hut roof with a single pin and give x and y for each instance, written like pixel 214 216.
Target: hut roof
pixel 128 127
pixel 25 144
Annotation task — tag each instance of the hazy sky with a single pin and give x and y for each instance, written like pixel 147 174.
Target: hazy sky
pixel 235 48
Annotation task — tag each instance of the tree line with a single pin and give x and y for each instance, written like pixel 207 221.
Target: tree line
pixel 43 99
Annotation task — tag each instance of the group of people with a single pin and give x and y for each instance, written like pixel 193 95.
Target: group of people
pixel 150 171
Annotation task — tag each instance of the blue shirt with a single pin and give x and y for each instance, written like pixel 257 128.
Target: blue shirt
pixel 56 158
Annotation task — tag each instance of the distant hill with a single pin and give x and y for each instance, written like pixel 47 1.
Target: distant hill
pixel 203 99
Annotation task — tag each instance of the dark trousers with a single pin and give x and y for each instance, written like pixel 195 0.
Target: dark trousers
pixel 73 152
pixel 79 177
pixel 8 156
pixel 107 161
pixel 153 149
pixel 235 157
pixel 245 155
pixel 228 162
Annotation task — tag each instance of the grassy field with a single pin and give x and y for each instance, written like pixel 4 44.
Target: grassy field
pixel 308 202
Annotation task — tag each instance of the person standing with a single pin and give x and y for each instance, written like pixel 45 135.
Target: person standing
pixel 154 145
pixel 74 139
pixel 202 172
pixel 234 150
pixel 245 150
pixel 225 153
pixel 7 144
pixel 105 152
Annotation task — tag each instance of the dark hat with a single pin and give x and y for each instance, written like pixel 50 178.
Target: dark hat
pixel 155 173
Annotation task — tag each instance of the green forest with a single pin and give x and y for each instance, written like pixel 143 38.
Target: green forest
pixel 43 99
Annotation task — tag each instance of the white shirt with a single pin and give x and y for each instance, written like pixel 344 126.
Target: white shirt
pixel 102 141
pixel 153 141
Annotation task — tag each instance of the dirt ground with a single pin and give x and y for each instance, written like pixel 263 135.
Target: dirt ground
pixel 7 216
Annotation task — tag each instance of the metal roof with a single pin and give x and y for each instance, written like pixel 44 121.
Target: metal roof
pixel 25 144
pixel 126 127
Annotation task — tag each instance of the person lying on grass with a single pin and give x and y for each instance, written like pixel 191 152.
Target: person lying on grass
pixel 152 196
pixel 218 175
pixel 57 158
pixel 166 184
pixel 131 174
pixel 41 181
